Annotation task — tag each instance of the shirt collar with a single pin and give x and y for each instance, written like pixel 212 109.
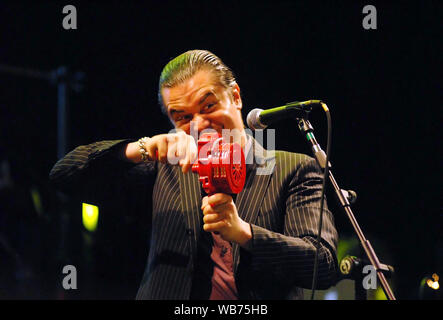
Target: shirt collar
pixel 248 145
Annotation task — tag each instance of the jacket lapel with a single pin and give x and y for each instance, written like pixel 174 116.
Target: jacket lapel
pixel 249 200
pixel 191 199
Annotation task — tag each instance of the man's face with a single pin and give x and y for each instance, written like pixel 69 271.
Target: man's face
pixel 204 102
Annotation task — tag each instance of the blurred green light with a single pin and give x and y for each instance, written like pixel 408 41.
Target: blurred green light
pixel 36 200
pixel 345 247
pixel 90 216
pixel 380 294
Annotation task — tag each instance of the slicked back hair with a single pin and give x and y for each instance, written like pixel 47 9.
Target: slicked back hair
pixel 186 65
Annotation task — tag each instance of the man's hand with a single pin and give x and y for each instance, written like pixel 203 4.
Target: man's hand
pixel 220 215
pixel 173 148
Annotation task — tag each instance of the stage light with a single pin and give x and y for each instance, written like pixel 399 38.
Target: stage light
pixel 331 295
pixel 90 216
pixel 433 283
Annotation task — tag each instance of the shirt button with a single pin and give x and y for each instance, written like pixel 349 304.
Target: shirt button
pixel 189 232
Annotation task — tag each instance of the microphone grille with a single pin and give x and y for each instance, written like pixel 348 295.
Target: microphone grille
pixel 253 119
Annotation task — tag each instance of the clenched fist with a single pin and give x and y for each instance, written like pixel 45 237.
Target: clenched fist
pixel 173 148
pixel 220 215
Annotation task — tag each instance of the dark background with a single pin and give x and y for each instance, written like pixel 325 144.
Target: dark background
pixel 382 86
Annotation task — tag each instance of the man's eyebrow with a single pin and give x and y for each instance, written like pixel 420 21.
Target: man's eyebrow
pixel 205 96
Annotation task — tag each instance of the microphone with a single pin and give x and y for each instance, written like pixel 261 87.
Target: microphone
pixel 260 119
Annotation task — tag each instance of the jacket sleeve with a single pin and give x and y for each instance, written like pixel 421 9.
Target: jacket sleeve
pixel 97 164
pixel 289 256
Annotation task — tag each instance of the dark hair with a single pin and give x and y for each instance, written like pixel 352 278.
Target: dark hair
pixel 187 64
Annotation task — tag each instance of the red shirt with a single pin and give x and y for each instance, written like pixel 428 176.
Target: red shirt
pixel 223 282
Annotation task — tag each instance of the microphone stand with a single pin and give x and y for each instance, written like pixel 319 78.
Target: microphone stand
pixel 320 156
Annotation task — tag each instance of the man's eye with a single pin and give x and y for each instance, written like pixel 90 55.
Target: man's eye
pixel 208 106
pixel 183 118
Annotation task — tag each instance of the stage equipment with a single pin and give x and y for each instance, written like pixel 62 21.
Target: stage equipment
pixel 300 111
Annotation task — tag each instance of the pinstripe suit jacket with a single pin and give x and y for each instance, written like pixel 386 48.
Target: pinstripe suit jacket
pixel 280 199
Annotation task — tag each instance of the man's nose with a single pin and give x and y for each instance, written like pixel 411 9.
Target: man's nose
pixel 200 122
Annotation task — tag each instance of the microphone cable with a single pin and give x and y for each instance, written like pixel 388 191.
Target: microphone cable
pixel 325 176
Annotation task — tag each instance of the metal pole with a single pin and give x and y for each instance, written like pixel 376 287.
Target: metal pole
pixel 62 111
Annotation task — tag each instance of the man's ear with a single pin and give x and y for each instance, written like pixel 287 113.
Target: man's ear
pixel 236 97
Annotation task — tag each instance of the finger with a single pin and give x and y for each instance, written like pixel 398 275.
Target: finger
pixel 219 199
pixel 162 146
pixel 186 161
pixel 185 165
pixel 193 150
pixel 212 218
pixel 172 153
pixel 208 210
pixel 204 202
pixel 181 147
pixel 212 227
pixel 190 149
pixel 224 208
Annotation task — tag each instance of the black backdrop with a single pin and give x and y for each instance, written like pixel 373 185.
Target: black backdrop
pixel 382 87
